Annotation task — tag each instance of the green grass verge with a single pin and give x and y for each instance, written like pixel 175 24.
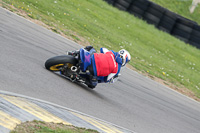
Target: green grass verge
pixel 181 7
pixel 153 51
pixel 45 127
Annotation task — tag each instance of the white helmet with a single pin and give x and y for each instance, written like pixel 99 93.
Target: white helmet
pixel 126 57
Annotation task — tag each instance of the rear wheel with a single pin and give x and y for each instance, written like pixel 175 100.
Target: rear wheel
pixel 58 62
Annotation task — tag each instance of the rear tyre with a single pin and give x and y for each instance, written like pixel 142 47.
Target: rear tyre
pixel 55 63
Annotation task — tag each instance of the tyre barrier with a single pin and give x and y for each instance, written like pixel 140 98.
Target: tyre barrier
pixel 123 3
pixel 183 29
pixel 195 36
pixel 111 2
pixel 167 21
pixel 162 18
pixel 138 8
pixel 154 14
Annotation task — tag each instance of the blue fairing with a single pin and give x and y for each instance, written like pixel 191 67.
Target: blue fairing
pixel 94 66
pixel 85 57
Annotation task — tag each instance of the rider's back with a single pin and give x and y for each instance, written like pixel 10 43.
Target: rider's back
pixel 105 63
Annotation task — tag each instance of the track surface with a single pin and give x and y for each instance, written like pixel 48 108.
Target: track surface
pixel 135 102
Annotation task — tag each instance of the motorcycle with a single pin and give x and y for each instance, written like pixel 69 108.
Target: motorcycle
pixel 73 65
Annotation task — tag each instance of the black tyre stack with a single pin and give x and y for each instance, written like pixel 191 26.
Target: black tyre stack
pixel 183 29
pixel 138 7
pixel 123 4
pixel 165 20
pixel 154 13
pixel 195 36
pixel 111 2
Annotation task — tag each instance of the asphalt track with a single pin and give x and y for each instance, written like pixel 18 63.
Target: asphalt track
pixel 135 102
pixel 16 109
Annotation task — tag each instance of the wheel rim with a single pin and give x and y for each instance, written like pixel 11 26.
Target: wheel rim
pixel 56 67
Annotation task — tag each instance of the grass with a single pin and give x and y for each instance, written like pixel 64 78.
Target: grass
pixel 181 7
pixel 101 25
pixel 45 127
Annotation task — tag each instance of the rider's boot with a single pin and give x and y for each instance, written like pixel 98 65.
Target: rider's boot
pixel 88 48
pixel 92 81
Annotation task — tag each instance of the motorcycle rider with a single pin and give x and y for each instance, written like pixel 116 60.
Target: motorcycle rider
pixel 106 65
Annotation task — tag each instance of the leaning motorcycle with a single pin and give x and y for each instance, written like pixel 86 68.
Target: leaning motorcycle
pixel 72 66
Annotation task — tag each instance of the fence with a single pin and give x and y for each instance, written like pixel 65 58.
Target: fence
pixel 170 22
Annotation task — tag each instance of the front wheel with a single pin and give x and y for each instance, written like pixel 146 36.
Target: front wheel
pixel 55 63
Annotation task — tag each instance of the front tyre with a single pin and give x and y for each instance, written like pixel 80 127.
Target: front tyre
pixel 55 63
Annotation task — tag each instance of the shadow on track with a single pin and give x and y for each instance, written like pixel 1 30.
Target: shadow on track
pixel 81 85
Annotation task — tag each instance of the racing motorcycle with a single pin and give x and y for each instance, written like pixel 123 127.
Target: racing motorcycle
pixel 73 65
